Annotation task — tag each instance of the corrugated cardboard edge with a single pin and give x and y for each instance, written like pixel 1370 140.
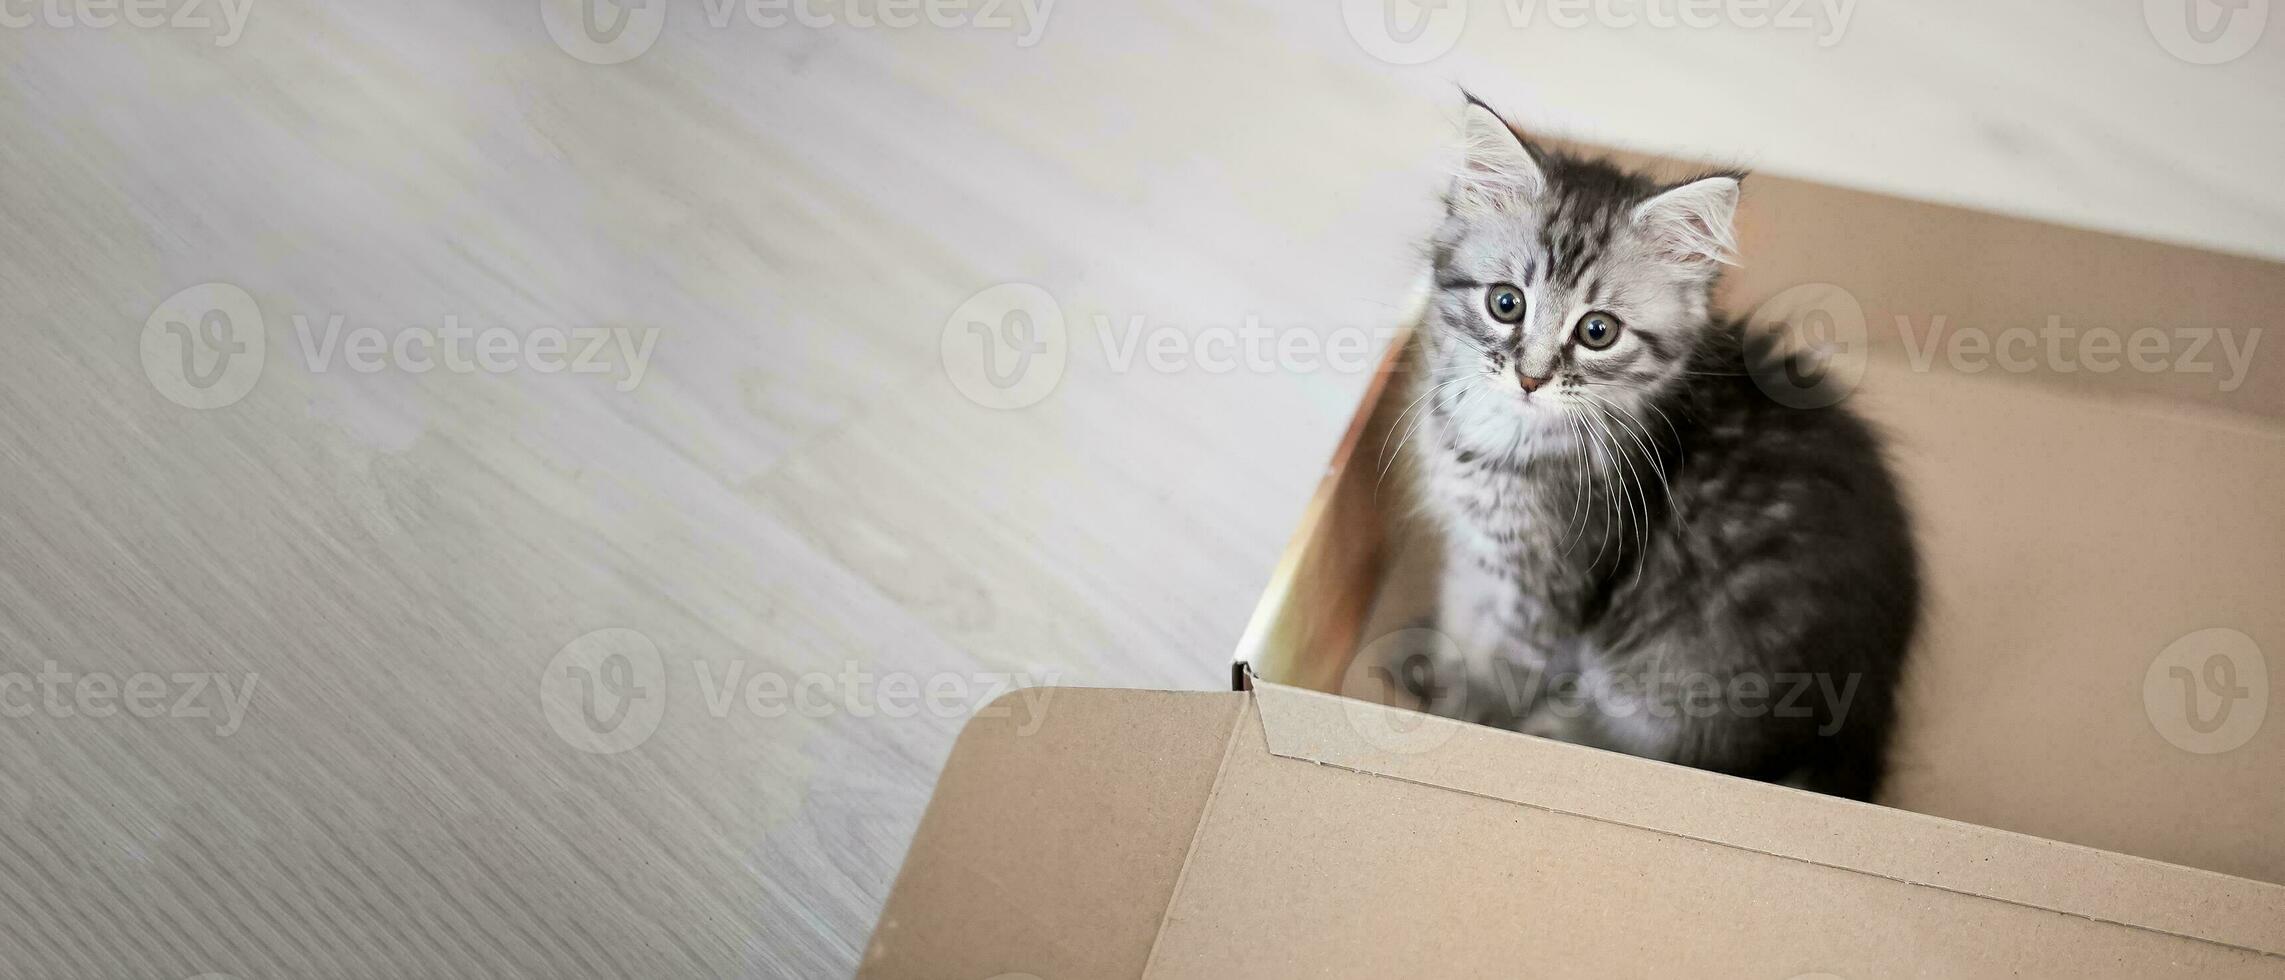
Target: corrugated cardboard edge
pixel 1911 848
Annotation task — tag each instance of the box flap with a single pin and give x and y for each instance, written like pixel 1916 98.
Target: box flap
pixel 1330 856
pixel 1909 848
pixel 1053 851
pixel 1289 833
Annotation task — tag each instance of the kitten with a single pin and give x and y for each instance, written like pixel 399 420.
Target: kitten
pixel 1643 551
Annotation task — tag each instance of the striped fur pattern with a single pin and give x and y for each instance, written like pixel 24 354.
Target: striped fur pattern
pixel 1643 552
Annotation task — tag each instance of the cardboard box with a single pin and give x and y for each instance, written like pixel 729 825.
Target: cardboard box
pixel 2097 546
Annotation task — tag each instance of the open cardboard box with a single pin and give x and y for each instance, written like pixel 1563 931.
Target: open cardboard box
pixel 2076 790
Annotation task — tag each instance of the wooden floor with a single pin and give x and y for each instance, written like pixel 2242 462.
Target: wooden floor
pixel 400 576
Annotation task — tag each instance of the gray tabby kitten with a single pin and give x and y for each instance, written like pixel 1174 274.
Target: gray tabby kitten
pixel 1644 552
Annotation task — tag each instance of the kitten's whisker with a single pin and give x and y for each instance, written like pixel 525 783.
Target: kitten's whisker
pixel 1417 422
pixel 1642 502
pixel 1616 514
pixel 1670 429
pixel 1639 500
pixel 1399 423
pixel 1644 427
pixel 1652 406
pixel 1637 432
pixel 1673 506
pixel 1641 439
pixel 1570 531
pixel 1639 495
pixel 1573 525
pixel 1584 478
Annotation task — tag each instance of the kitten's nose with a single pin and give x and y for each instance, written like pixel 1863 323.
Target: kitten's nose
pixel 1530 384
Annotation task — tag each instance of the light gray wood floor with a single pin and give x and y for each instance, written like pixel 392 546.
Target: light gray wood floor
pixel 391 571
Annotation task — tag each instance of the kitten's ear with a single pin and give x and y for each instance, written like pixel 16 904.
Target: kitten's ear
pixel 1692 224
pixel 1498 166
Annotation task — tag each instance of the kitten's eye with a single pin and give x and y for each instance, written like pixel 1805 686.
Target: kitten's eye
pixel 1598 330
pixel 1505 303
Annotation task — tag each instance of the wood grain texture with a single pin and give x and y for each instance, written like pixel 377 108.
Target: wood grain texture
pixel 393 560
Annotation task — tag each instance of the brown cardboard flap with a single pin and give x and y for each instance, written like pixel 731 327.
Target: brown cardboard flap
pixel 1303 869
pixel 1915 849
pixel 1287 833
pixel 1053 852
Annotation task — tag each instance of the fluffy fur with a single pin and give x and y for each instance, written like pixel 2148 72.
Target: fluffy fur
pixel 1643 551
